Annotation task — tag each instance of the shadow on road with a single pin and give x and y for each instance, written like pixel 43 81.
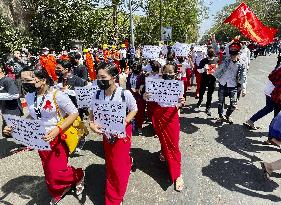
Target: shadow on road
pixel 240 175
pixel 150 164
pixel 6 147
pixel 95 183
pixel 239 139
pixel 188 124
pixel 26 187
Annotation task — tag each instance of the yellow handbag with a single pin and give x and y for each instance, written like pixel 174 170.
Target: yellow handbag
pixel 74 132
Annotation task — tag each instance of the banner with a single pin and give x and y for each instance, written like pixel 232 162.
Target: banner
pixel 110 115
pixel 165 91
pixel 151 52
pixel 84 95
pixel 27 132
pixel 181 49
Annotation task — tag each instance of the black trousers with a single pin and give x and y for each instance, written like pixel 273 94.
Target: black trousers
pixel 210 82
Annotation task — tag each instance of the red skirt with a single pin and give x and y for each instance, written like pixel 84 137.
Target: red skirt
pixel 58 174
pixel 118 166
pixel 167 127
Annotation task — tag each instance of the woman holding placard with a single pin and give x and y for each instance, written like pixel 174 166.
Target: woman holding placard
pixel 167 127
pixel 59 176
pixel 116 147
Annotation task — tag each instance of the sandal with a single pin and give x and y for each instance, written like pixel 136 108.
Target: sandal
pixel 250 127
pixel 270 142
pixel 266 174
pixel 80 186
pixel 179 184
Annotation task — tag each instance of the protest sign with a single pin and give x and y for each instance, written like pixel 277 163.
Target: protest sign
pixel 181 49
pixel 110 115
pixel 165 91
pixel 28 132
pixel 151 52
pixel 84 95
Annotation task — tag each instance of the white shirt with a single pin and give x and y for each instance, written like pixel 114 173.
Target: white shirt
pixel 230 76
pixel 131 103
pixel 123 53
pixel 49 115
pixel 269 87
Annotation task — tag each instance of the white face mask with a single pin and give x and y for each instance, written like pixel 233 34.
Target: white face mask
pixel 46 52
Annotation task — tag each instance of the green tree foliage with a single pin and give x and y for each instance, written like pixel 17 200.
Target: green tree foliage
pixel 182 15
pixel 267 11
pixel 54 23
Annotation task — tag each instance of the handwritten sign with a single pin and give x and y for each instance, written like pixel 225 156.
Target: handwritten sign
pixel 84 95
pixel 167 91
pixel 181 49
pixel 151 52
pixel 28 132
pixel 110 115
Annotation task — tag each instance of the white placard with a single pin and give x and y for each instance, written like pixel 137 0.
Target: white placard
pixel 151 52
pixel 164 91
pixel 181 49
pixel 110 115
pixel 28 132
pixel 84 95
pixel 164 49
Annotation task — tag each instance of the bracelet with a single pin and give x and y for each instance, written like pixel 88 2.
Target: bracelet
pixel 60 129
pixel 62 135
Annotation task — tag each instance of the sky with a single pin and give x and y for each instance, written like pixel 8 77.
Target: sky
pixel 214 7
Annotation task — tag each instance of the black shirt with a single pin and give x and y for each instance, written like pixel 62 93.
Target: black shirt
pixel 207 61
pixel 81 71
pixel 13 107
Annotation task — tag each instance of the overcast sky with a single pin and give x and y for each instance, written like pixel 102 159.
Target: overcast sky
pixel 214 7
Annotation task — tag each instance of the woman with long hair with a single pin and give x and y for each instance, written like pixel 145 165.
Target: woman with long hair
pixel 41 97
pixel 118 162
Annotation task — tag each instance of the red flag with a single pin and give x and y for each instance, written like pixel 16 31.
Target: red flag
pixel 248 23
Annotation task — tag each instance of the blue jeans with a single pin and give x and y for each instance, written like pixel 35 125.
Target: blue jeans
pixel 224 91
pixel 268 108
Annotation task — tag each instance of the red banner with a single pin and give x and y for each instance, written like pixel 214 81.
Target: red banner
pixel 248 23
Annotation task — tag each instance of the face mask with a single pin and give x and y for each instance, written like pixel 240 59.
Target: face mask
pixel 168 77
pixel 154 69
pixel 103 84
pixel 58 73
pixel 29 87
pixel 46 52
pixel 233 53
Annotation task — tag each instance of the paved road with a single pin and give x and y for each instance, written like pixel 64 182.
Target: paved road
pixel 220 164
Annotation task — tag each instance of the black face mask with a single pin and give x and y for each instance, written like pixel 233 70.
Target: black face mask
pixel 155 69
pixel 233 53
pixel 58 73
pixel 29 87
pixel 168 77
pixel 136 72
pixel 103 84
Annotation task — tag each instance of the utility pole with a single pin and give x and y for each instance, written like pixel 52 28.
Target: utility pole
pixel 160 19
pixel 131 26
